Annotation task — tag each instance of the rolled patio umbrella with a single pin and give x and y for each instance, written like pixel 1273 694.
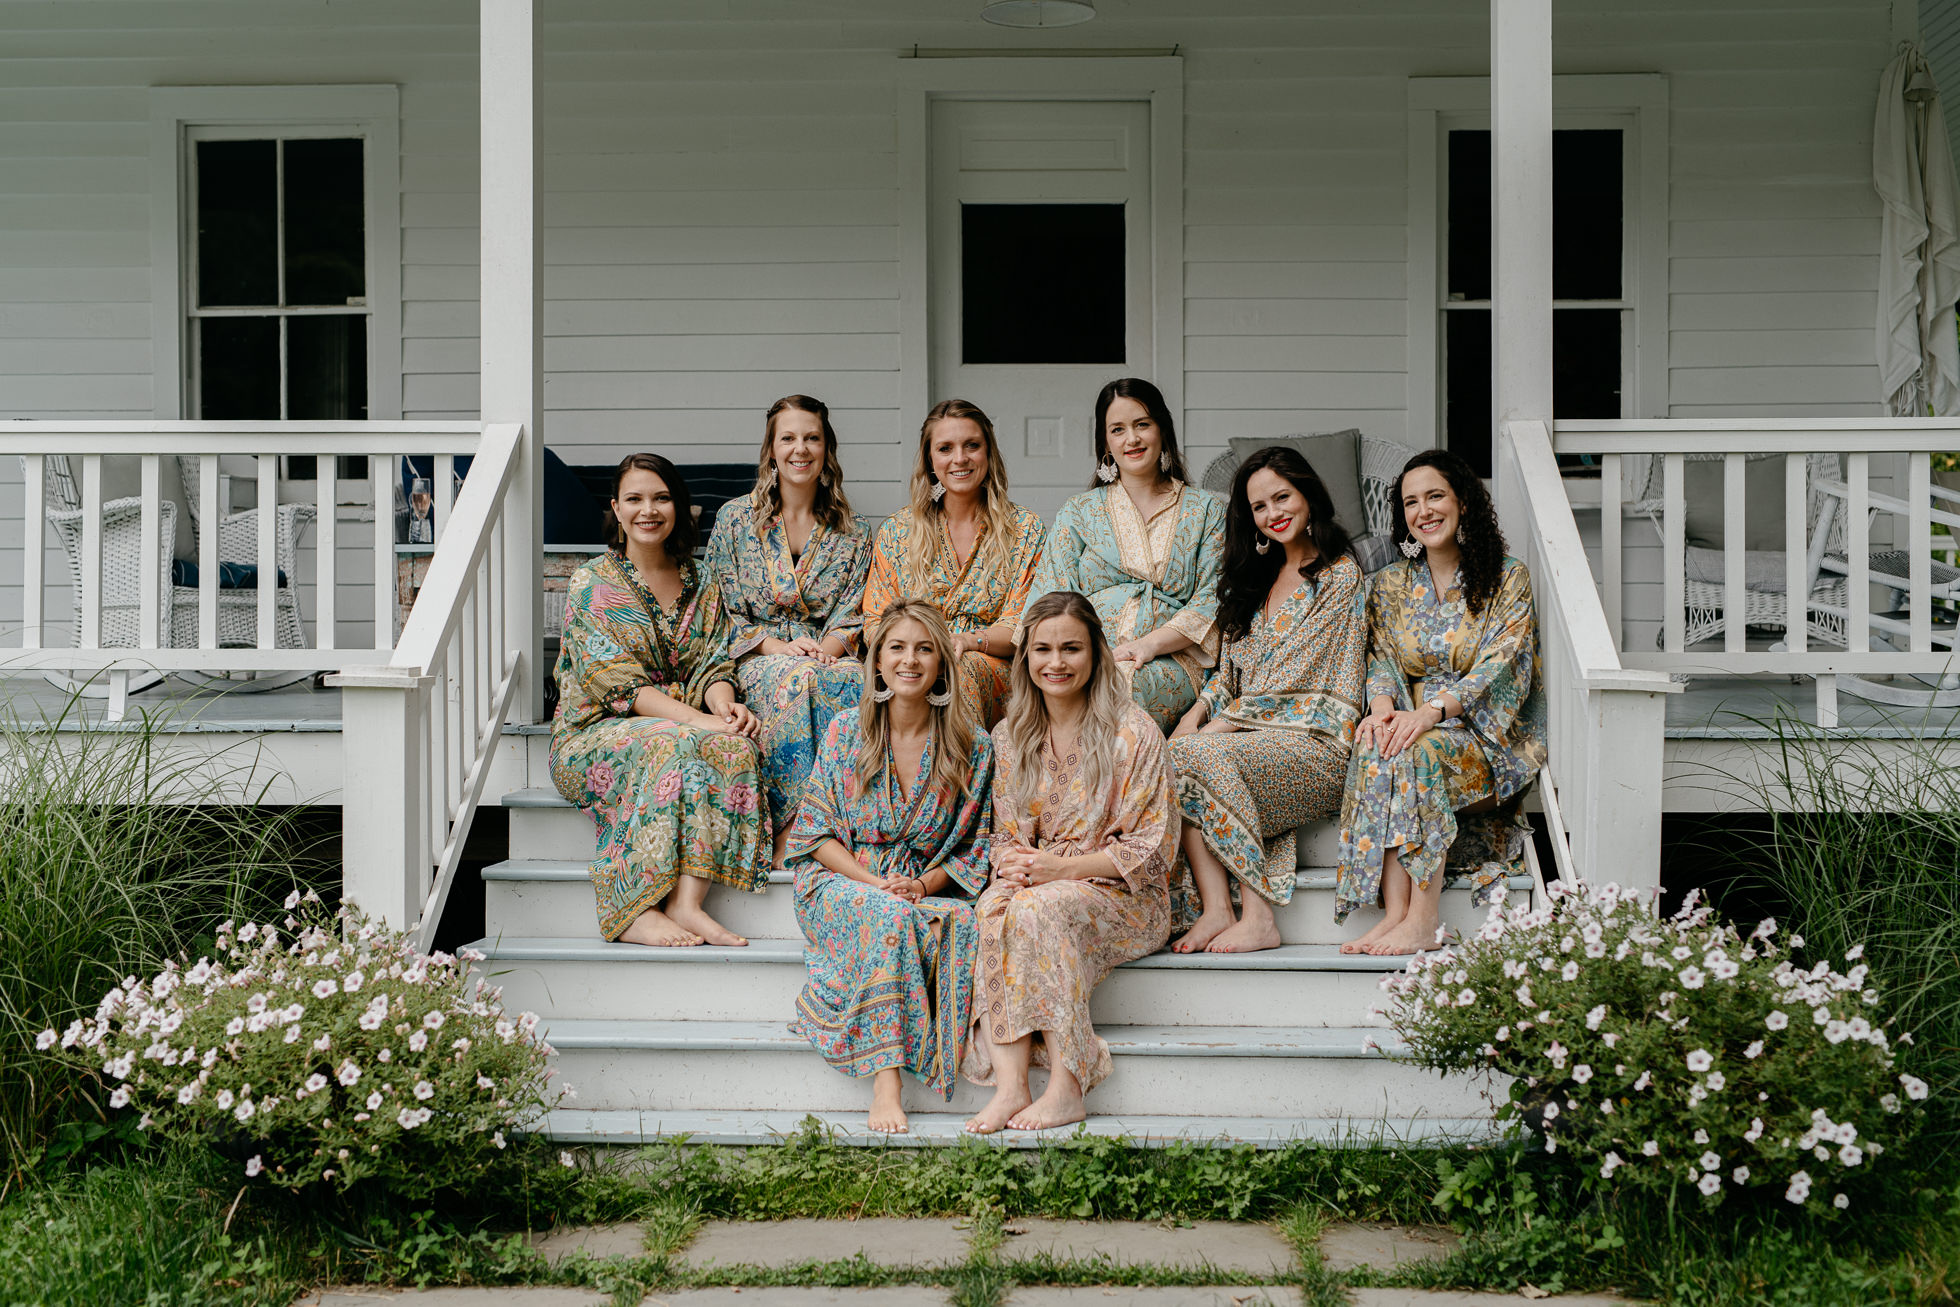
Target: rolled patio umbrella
pixel 1919 243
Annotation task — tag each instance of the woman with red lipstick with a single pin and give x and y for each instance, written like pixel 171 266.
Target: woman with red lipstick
pixel 1265 748
pixel 1455 730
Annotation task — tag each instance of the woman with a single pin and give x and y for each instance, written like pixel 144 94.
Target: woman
pixel 1084 831
pixel 1455 730
pixel 1265 748
pixel 889 847
pixel 962 546
pixel 1145 548
pixel 790 560
pixel 650 737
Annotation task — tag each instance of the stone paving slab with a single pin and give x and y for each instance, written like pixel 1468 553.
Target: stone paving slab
pixel 1464 1298
pixel 884 1241
pixel 1227 1245
pixel 917 1295
pixel 1271 1295
pixel 595 1241
pixel 1347 1246
pixel 507 1296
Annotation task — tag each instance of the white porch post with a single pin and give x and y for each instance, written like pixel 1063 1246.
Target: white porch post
pixel 1520 220
pixel 384 867
pixel 512 299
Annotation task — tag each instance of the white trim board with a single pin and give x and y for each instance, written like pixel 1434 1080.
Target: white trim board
pixel 1156 79
pixel 372 112
pixel 1639 101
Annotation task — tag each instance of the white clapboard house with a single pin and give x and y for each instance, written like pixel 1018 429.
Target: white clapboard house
pixel 1626 254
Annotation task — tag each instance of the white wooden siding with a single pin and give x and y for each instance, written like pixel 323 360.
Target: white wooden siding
pixel 721 204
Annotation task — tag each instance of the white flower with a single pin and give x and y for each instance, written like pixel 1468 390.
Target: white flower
pixel 1890 1102
pixel 424 1090
pixel 188 1092
pixel 1606 1168
pixel 410 1117
pixel 1692 977
pixel 292 900
pixel 1777 1019
pixel 348 1072
pixel 1581 1073
pixel 374 1100
pixel 1551 1111
pixel 418 1041
pixel 1855 952
pixel 292 1035
pixel 121 1097
pixel 1710 1161
pixel 235 1026
pixel 1646 1078
pixel 253 1167
pixel 223 1100
pixel 1570 971
pixel 484 1082
pixel 1755 1049
pixel 1836 1031
pixel 1650 1149
pixel 565 1159
pixel 1701 1136
pixel 1851 1154
pixel 1820 1015
pixel 1840 1202
pixel 1755 1130
pixel 1682 953
pixel 1610 1039
pixel 1709 1183
pixel 245 1111
pixel 1463 999
pixel 315 1083
pixel 1716 1080
pixel 325 989
pixel 1741 1174
pixel 1700 1060
pixel 1556 1055
pixel 434 1020
pixel 498 1139
pixel 1799 1188
pixel 1915 1087
pixel 1594 1017
pixel 355 979
pixel 385 1055
pixel 46 1039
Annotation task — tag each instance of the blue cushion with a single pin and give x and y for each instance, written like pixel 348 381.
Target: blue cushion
pixel 231 576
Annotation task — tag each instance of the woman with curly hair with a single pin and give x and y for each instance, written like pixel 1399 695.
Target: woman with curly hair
pixel 1455 731
pixel 1265 748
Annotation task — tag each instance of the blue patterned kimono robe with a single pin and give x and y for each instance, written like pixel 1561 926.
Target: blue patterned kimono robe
pixel 1143 575
pixel 1422 644
pixel 890 982
pixel 770 595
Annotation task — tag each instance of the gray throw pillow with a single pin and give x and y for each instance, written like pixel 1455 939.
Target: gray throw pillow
pixel 1762 503
pixel 1336 459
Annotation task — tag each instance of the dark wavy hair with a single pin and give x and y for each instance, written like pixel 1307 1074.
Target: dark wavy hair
pixel 1482 541
pixel 680 540
pixel 1152 400
pixel 1248 575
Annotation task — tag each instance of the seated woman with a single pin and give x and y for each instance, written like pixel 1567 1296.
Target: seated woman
pixel 649 737
pixel 963 547
pixel 1455 731
pixel 1265 748
pixel 889 847
pixel 790 560
pixel 1145 548
pixel 1084 832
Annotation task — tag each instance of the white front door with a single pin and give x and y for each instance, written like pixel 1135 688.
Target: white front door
pixel 1040 274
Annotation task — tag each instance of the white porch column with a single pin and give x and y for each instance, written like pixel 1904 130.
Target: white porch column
pixel 1520 218
pixel 512 298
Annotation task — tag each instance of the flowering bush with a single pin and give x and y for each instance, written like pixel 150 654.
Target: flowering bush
pixel 1667 1051
pixel 327 1057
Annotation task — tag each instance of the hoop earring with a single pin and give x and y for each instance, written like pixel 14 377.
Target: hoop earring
pixel 1263 545
pixel 882 692
pixel 940 698
pixel 1163 460
pixel 1106 470
pixel 1409 548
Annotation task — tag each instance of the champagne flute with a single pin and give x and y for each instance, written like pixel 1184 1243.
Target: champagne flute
pixel 420 501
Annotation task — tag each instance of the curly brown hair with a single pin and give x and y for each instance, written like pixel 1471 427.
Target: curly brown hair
pixel 1480 541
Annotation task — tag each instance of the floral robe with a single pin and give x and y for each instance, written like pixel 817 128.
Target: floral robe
pixel 1295 683
pixel 771 595
pixel 1421 645
pixel 972 598
pixel 1044 948
pixel 1143 575
pixel 668 799
pixel 890 982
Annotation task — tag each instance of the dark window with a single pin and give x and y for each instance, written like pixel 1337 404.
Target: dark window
pixel 326 249
pixel 326 367
pixel 238 366
pixel 237 223
pixel 1041 283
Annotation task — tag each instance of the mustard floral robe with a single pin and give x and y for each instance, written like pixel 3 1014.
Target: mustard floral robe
pixel 1045 948
pixel 1422 644
pixel 669 799
pixel 1295 683
pixel 1141 576
pixel 972 598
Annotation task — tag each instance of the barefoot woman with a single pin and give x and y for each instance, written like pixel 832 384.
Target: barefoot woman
pixel 889 846
pixel 1265 748
pixel 1084 831
pixel 1455 730
pixel 649 737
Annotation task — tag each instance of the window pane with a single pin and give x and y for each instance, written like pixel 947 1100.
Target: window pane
pixel 1041 283
pixel 237 223
pixel 326 367
pixel 1466 406
pixel 326 244
pixel 1468 181
pixel 1586 363
pixel 238 368
pixel 1587 216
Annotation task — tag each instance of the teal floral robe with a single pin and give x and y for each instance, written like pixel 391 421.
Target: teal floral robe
pixel 1143 575
pixel 669 799
pixel 769 594
pixel 890 982
pixel 1422 644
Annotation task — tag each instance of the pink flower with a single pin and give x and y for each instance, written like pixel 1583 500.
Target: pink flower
pixel 667 786
pixel 742 798
pixel 599 778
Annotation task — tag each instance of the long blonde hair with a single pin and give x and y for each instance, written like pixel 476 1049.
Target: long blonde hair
pixel 928 515
pixel 952 722
pixel 832 507
pixel 1027 711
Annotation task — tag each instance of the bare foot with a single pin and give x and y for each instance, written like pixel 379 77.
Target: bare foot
pixel 697 920
pixel 656 929
pixel 1411 936
pixel 1054 1107
pixel 1007 1101
pixel 887 1117
pixel 1249 936
pixel 1389 921
pixel 1209 927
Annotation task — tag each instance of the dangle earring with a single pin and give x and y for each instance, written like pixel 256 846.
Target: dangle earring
pixel 1459 533
pixel 769 481
pixel 1409 548
pixel 883 692
pixel 1106 470
pixel 938 491
pixel 1263 545
pixel 1163 460
pixel 939 698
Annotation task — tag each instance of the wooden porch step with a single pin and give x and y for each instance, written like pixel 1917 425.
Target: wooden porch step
pixel 1195 1071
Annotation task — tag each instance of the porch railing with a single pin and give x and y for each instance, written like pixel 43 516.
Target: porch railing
pixel 1601 788
pixel 1811 602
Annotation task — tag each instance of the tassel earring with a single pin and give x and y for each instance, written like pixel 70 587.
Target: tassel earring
pixel 1164 460
pixel 769 481
pixel 1459 533
pixel 938 492
pixel 882 692
pixel 1409 548
pixel 1106 470
pixel 940 698
pixel 1263 545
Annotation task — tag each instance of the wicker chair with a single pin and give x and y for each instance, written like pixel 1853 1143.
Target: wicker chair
pixel 1379 463
pixel 238 542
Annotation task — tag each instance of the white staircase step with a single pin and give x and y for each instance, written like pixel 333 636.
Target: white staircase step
pixel 929 1129
pixel 554 897
pixel 1313 985
pixel 1176 1070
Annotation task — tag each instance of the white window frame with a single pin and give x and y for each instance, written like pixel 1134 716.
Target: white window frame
pixel 1636 104
pixel 181 115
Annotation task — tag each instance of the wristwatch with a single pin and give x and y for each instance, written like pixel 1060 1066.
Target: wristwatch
pixel 1442 708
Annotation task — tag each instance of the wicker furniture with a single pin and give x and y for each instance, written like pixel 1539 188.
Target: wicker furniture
pixel 238 542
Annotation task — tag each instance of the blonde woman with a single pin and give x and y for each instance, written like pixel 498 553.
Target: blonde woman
pixel 790 560
pixel 963 546
pixel 1085 827
pixel 889 847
